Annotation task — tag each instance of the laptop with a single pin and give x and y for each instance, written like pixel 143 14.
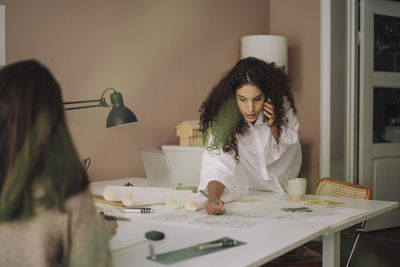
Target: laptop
pixel 159 173
pixel 185 163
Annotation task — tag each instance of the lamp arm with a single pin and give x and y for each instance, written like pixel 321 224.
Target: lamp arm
pixel 80 102
pixel 80 107
pixel 101 102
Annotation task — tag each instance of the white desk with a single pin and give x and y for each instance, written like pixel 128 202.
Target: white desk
pixel 263 243
pixel 331 239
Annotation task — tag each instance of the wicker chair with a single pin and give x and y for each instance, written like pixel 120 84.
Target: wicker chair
pixel 335 188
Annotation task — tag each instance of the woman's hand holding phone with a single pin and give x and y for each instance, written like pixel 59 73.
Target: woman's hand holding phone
pixel 268 111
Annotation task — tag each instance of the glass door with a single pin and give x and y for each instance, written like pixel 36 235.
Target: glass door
pixel 379 103
pixel 386 100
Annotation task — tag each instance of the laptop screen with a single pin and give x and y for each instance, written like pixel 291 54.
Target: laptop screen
pixel 185 163
pixel 157 169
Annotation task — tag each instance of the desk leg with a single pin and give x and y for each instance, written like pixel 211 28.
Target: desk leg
pixel 331 250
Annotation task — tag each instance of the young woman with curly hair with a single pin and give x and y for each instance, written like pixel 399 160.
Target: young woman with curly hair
pixel 249 124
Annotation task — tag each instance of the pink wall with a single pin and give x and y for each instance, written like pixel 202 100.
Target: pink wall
pixel 300 22
pixel 163 56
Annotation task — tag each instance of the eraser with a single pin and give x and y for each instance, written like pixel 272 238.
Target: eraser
pixel 154 235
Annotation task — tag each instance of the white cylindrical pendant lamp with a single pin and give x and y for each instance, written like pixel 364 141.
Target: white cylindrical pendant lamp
pixel 270 48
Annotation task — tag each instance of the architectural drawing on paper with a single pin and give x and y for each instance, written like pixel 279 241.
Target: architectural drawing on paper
pixel 246 217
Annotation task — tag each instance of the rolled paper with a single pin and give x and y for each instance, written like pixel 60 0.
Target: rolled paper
pixel 132 196
pixel 178 198
pixel 195 203
pixel 113 193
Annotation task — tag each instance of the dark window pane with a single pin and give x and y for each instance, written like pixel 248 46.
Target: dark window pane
pixel 386 43
pixel 386 124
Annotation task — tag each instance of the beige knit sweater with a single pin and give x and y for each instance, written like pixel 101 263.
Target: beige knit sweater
pixel 51 238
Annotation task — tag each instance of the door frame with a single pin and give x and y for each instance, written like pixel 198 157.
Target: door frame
pixel 325 91
pixel 348 168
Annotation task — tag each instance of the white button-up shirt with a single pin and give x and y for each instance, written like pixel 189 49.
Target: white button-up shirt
pixel 263 163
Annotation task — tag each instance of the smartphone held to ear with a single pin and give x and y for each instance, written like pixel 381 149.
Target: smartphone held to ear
pixel 265 117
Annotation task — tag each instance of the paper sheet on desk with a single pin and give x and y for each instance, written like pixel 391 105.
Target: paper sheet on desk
pixel 281 210
pixel 247 217
pixel 317 202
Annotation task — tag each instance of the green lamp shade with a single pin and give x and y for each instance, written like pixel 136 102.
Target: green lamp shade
pixel 119 116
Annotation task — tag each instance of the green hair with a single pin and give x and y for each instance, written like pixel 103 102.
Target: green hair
pixel 47 161
pixel 222 128
pixel 37 154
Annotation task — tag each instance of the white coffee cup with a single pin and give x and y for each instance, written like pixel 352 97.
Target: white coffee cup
pixel 296 187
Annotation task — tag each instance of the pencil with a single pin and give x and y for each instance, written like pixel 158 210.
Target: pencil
pixel 208 197
pixel 113 218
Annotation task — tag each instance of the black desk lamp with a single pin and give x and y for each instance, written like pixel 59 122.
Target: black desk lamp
pixel 118 115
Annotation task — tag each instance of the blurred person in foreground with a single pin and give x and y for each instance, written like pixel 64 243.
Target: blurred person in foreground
pixel 47 214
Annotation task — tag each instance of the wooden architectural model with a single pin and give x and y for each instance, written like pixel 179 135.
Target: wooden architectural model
pixel 189 133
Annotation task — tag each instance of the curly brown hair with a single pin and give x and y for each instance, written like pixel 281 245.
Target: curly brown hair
pixel 220 116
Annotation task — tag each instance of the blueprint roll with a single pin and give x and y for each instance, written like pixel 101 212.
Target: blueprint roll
pixel 195 203
pixel 136 196
pixel 112 193
pixel 178 198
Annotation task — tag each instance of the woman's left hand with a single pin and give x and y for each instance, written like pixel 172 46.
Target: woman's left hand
pixel 268 111
pixel 110 225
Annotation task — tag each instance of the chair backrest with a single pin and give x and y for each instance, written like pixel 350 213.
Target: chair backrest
pixel 335 188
